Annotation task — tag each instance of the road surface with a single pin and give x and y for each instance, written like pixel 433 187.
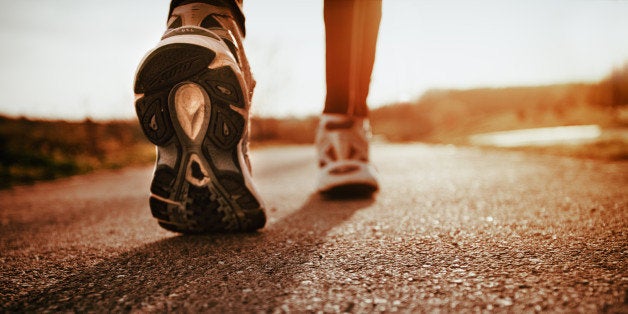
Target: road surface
pixel 453 229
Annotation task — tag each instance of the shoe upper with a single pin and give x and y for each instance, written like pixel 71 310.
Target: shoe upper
pixel 342 143
pixel 342 138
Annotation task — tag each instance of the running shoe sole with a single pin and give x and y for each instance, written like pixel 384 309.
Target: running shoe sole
pixel 191 104
pixel 350 191
pixel 358 183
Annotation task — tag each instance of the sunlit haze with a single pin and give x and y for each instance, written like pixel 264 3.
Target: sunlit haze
pixel 75 59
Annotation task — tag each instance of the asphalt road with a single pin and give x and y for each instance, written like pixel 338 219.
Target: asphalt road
pixel 453 229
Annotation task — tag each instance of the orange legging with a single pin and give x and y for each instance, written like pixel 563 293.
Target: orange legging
pixel 351 28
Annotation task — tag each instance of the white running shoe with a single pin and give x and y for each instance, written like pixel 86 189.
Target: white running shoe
pixel 343 152
pixel 192 101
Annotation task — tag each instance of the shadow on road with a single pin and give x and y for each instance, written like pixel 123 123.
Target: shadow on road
pixel 202 272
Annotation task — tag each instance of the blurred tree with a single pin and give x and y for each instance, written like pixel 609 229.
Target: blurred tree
pixel 613 90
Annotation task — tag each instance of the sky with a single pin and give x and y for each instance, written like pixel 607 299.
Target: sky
pixel 74 59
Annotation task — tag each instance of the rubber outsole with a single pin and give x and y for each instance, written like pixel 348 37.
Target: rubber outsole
pixel 350 191
pixel 198 184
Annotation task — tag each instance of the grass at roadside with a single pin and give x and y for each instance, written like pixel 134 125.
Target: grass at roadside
pixel 35 150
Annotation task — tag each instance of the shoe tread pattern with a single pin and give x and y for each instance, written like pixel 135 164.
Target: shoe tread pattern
pixel 225 204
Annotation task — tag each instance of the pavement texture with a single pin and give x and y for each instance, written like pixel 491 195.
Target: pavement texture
pixel 452 230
